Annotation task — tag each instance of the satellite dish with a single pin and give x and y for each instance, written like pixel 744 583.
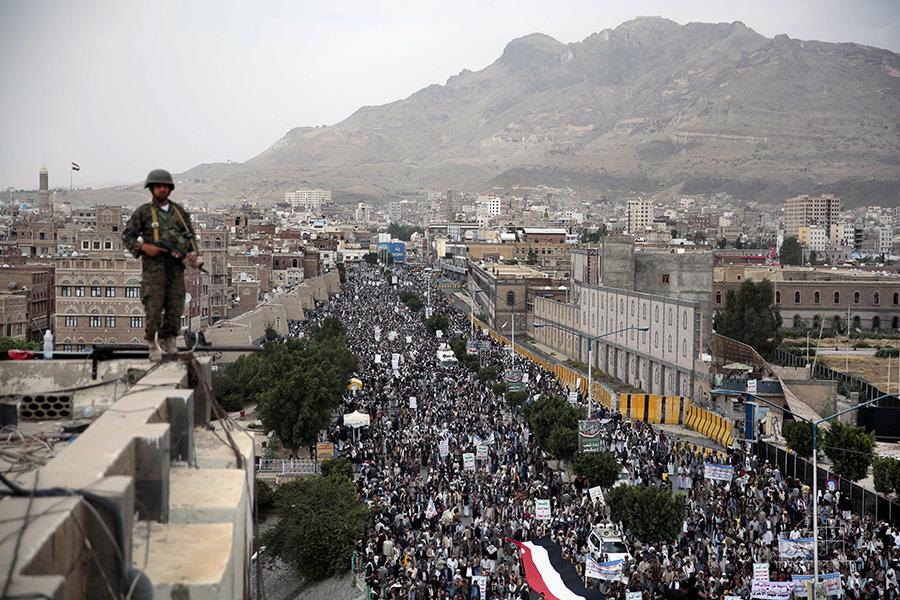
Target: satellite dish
pixel 187 297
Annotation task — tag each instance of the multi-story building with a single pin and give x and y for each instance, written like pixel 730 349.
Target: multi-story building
pixel 810 211
pixel 505 294
pixel 98 299
pixel 34 284
pixel 814 238
pixel 640 215
pixel 308 200
pixel 811 299
pixel 215 291
pixel 363 213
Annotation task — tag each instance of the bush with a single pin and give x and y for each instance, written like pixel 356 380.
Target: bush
pixel 850 449
pixel 599 468
pixel 548 413
pixel 336 466
pixel 652 514
pixel 563 442
pixel 516 398
pixel 862 345
pixel 437 322
pixel 498 388
pixel 487 373
pixel 265 496
pixel 10 343
pixel 798 435
pixel 886 472
pixel 412 301
pixel 887 353
pixel 321 519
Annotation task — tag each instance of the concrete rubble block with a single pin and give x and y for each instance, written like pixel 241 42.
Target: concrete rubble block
pixel 152 465
pixel 37 587
pixel 189 560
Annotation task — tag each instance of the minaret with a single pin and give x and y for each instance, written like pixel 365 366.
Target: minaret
pixel 44 193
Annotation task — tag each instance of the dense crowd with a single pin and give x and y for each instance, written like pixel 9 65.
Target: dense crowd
pixel 438 526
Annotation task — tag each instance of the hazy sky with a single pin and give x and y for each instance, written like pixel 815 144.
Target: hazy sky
pixel 123 86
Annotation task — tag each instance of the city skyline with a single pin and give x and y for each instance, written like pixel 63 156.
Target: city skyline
pixel 231 82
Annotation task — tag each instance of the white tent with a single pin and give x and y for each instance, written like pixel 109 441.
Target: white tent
pixel 356 419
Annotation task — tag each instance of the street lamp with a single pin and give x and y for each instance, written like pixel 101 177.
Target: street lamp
pixel 590 339
pixel 815 464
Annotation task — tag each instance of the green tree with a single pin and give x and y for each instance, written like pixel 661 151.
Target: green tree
pixel 798 435
pixel 532 258
pixel 337 466
pixel 750 316
pixel 370 257
pixel 412 300
pixel 548 413
pixel 403 232
pixel 652 514
pixel 599 468
pixel 886 473
pixel 11 343
pixel 722 244
pixel 813 257
pixel 791 251
pixel 265 496
pixel 321 519
pixel 487 374
pixel 270 334
pixel 227 391
pixel 563 442
pixel 437 321
pixel 850 449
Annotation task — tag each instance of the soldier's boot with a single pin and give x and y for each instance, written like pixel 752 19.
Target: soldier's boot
pixel 155 352
pixel 168 345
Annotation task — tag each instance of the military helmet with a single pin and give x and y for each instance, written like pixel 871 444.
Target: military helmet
pixel 160 176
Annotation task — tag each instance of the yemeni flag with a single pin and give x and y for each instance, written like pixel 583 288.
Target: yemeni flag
pixel 76 166
pixel 548 573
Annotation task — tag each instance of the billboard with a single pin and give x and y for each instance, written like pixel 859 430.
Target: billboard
pixel 395 249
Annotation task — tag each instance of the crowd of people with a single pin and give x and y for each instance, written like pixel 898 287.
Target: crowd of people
pixel 438 525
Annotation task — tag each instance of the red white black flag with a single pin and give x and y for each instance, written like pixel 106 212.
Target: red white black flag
pixel 548 573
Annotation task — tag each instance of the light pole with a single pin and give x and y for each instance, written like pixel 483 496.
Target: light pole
pixel 590 339
pixel 815 464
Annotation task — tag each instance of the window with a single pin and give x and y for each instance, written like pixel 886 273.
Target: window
pixel 67 347
pixel 684 347
pixel 656 315
pixel 95 291
pixel 132 291
pixel 79 291
pixel 718 297
pixel 669 344
pixel 137 322
pixel 665 278
pixel 837 297
pixel 896 297
pixel 855 297
pixel 96 244
pixel 817 297
pixel 670 316
pixel 107 245
pixel 777 296
pixel 684 320
pixel 656 339
pixel 895 323
pixel 511 298
pixel 65 291
pixel 876 298
pixel 110 322
pixel 876 322
pixel 71 321
pixel 110 291
pixel 85 245
pixel 797 297
pixel 798 322
pixel 96 321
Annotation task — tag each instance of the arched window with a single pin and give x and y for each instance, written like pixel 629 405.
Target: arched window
pixel 670 316
pixel 684 319
pixel 294 263
pixel 896 297
pixel 856 322
pixel 669 344
pixel 837 297
pixel 817 322
pixel 797 297
pixel 684 347
pixel 817 297
pixel 777 296
pixel 876 322
pixel 856 297
pixel 718 297
pixel 876 298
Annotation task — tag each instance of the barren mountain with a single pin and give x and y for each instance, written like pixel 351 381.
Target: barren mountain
pixel 648 105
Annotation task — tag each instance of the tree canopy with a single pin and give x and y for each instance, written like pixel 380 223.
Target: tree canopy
pixel 599 468
pixel 652 514
pixel 791 251
pixel 798 435
pixel 750 316
pixel 548 413
pixel 850 449
pixel 403 232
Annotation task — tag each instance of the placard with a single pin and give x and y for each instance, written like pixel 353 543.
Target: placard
pixel 413 402
pixel 633 595
pixel 542 509
pixel 444 447
pixel 718 472
pixel 596 493
pixel 772 590
pixel 481 582
pixel 752 386
pixel 409 339
pixel 761 571
pixel 468 461
pixel 324 450
pixel 589 435
pixel 481 451
pixel 377 359
pixel 573 397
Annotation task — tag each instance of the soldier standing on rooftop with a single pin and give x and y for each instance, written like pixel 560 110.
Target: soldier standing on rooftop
pixel 160 233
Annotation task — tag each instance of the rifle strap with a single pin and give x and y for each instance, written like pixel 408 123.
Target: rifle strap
pixel 186 228
pixel 154 224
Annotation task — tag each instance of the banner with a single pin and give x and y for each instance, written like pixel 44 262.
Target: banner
pixel 798 548
pixel 413 402
pixel 591 568
pixel 831 582
pixel 718 472
pixel 444 447
pixel 573 397
pixel 542 509
pixel 589 435
pixel 481 451
pixel 513 379
pixel 324 450
pixel 377 359
pixel 395 361
pixel 761 571
pixel 634 595
pixel 471 347
pixel 772 590
pixel 611 570
pixel 468 461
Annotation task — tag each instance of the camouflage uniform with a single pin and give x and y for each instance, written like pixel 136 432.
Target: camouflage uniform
pixel 162 277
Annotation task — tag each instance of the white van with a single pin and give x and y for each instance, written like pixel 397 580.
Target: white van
pixel 606 540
